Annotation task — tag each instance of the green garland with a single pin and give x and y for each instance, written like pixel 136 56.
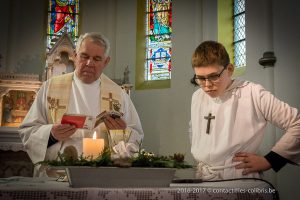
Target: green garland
pixel 145 159
pixel 142 159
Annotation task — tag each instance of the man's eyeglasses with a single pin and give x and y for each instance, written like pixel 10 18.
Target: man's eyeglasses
pixel 200 80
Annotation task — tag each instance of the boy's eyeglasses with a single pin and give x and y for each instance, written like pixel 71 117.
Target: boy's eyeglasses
pixel 200 80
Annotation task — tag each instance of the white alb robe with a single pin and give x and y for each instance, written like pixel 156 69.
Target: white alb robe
pixel 241 116
pixel 84 99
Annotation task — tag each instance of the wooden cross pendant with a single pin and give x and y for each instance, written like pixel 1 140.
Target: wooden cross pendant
pixel 111 100
pixel 208 118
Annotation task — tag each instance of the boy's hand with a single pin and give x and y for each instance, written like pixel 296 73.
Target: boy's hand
pixel 251 162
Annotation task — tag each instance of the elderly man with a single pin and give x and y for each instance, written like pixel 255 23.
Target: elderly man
pixel 87 91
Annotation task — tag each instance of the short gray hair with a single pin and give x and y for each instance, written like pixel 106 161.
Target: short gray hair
pixel 97 38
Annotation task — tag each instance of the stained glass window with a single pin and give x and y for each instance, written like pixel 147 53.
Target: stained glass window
pixel 158 41
pixel 62 17
pixel 239 40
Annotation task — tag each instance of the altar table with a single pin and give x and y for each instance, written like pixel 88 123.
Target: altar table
pixel 14 161
pixel 48 188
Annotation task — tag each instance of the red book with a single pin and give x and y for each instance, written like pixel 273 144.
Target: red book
pixel 80 121
pixel 88 122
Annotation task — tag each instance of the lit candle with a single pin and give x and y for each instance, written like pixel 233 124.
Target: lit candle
pixel 92 146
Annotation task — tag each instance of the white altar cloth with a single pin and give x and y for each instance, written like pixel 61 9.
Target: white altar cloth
pixel 49 188
pixel 12 146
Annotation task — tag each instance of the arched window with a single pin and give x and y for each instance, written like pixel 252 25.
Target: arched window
pixel 154 30
pixel 62 17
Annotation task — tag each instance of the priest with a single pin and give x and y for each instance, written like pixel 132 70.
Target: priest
pixel 87 91
pixel 229 117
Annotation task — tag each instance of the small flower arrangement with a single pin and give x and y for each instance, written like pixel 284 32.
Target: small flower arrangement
pixel 146 159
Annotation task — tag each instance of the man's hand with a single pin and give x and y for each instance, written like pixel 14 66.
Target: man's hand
pixel 62 132
pixel 251 162
pixel 114 124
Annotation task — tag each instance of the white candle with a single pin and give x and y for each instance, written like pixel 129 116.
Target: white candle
pixel 92 146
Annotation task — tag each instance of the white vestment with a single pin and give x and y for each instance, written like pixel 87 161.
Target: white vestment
pixel 84 99
pixel 241 116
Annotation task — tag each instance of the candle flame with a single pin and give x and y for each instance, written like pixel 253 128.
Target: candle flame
pixel 95 135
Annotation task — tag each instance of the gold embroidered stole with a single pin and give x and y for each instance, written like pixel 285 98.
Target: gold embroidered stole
pixel 59 93
pixel 110 93
pixel 58 96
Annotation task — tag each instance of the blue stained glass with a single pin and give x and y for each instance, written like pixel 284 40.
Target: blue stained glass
pixel 158 41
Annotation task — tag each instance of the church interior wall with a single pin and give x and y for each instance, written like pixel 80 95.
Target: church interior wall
pixel 286 76
pixel 100 16
pixel 125 38
pixel 165 113
pixel 258 40
pixel 4 16
pixel 23 36
pixel 271 27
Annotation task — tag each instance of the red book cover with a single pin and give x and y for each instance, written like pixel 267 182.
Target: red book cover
pixel 77 120
pixel 87 122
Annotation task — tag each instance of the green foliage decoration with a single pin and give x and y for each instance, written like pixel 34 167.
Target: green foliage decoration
pixel 140 159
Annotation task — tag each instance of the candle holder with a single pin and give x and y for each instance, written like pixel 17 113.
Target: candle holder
pixel 117 143
pixel 116 136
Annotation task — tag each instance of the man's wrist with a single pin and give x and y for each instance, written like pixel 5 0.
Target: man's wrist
pixel 51 140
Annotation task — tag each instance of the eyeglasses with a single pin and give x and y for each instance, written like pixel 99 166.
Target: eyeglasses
pixel 200 80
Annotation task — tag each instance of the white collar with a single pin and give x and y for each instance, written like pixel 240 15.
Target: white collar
pixel 78 81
